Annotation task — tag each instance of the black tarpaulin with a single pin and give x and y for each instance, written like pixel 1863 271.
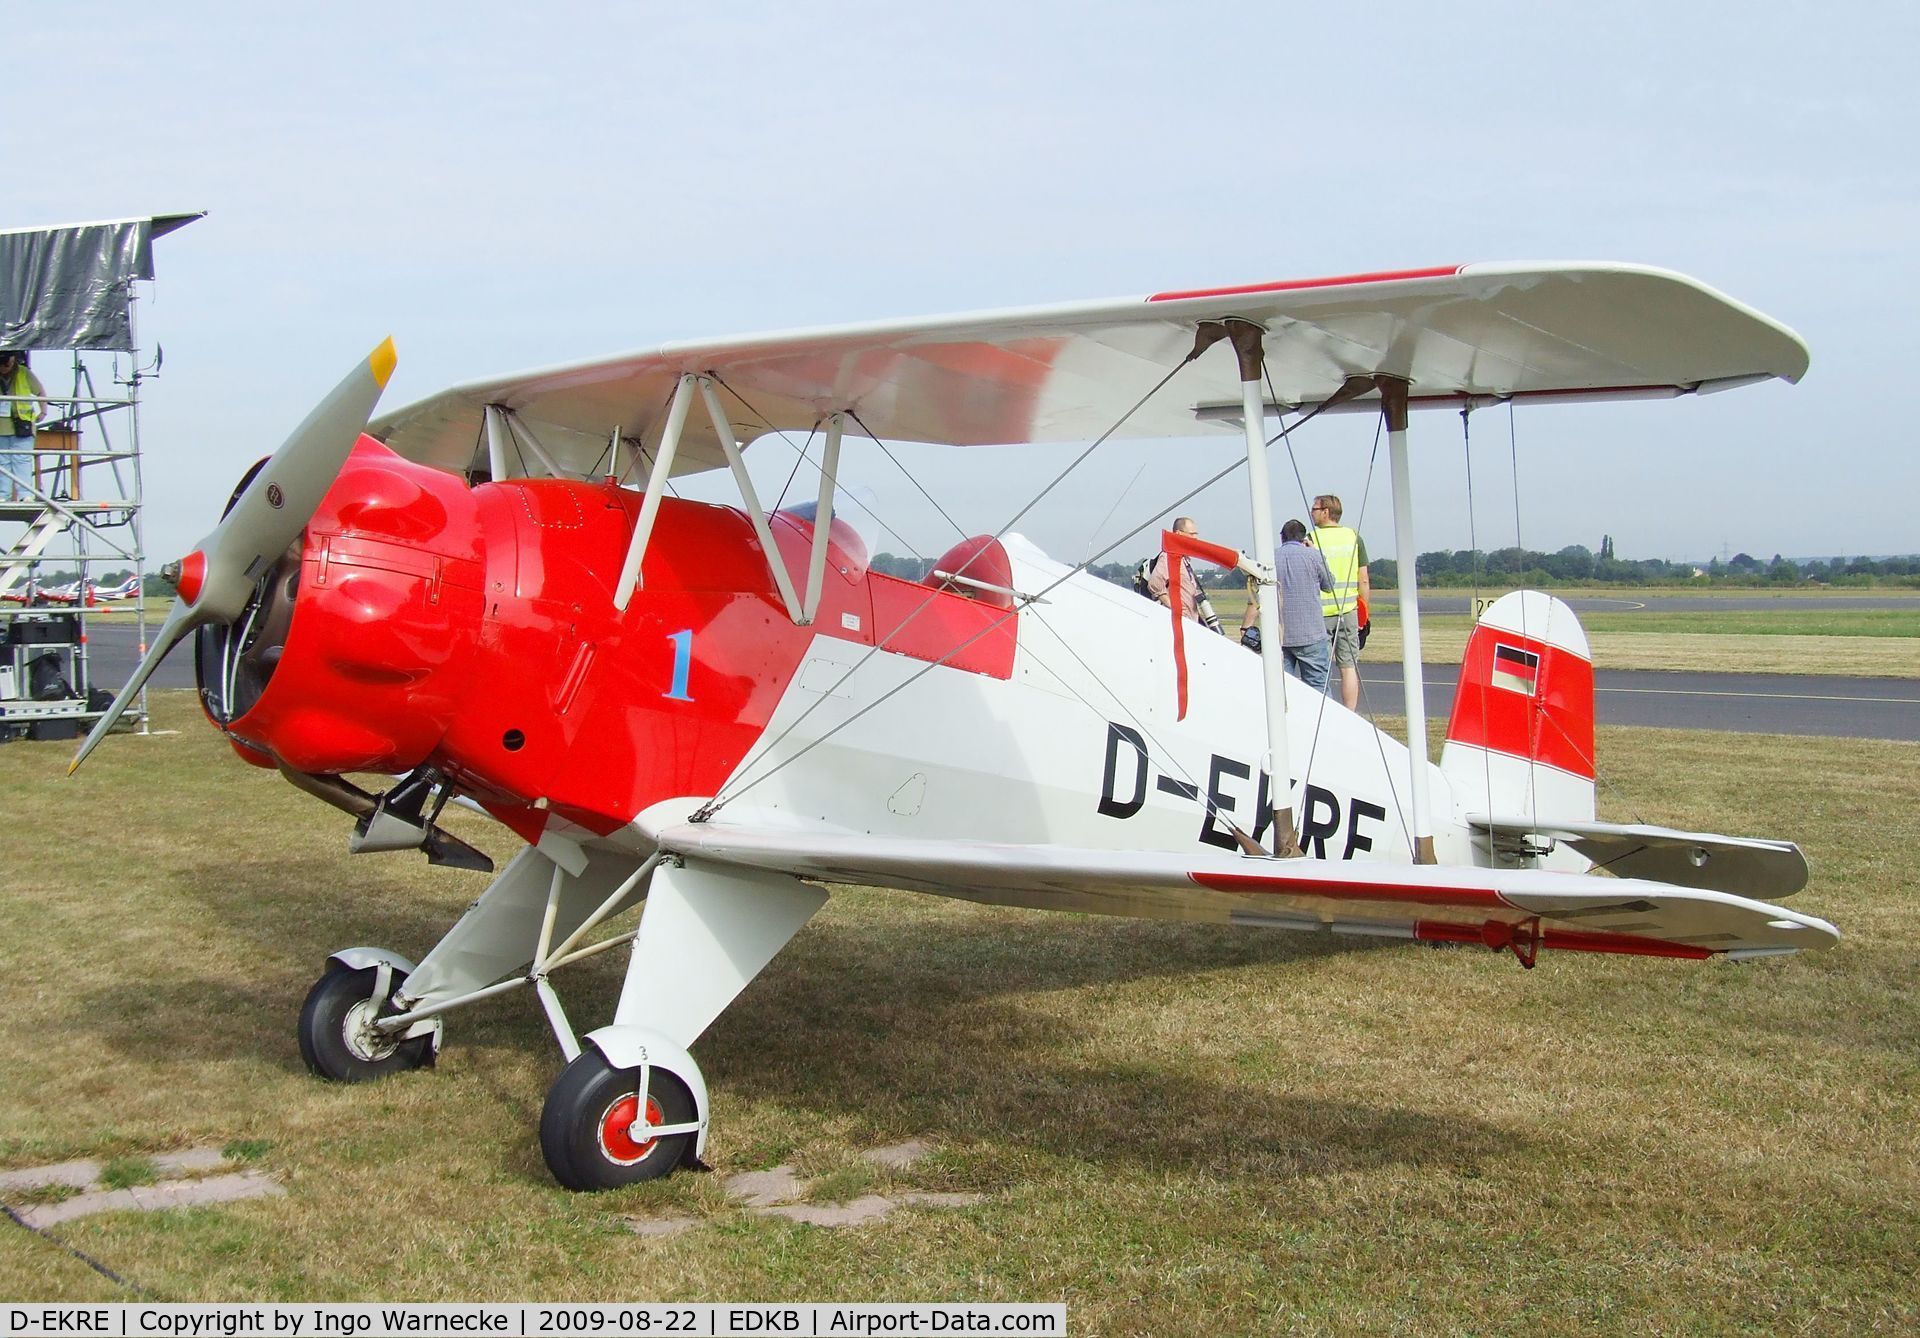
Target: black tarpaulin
pixel 71 287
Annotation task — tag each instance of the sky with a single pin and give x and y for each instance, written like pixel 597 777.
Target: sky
pixel 508 186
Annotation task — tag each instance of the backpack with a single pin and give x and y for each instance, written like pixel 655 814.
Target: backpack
pixel 1143 575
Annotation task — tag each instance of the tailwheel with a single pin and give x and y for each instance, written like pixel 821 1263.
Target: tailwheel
pixel 337 1037
pixel 587 1132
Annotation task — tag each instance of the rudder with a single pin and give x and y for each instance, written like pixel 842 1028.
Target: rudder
pixel 1520 740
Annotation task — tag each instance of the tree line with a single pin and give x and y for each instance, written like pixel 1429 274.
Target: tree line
pixel 1575 564
pixel 1450 569
pixel 1579 565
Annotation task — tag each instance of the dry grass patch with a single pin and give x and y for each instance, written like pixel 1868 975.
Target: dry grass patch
pixel 1175 1128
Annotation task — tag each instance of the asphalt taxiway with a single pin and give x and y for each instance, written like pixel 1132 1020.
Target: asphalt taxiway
pixel 1828 705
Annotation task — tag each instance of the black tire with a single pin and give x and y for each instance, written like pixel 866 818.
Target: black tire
pixel 589 1108
pixel 331 1040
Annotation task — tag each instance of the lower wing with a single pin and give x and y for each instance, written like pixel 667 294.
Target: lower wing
pixel 1522 909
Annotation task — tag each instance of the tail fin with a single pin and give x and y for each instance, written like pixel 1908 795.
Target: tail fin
pixel 1520 742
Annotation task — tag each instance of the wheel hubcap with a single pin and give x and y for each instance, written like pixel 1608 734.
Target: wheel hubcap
pixel 365 1043
pixel 616 1130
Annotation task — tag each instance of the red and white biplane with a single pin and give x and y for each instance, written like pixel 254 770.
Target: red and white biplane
pixel 91 594
pixel 716 711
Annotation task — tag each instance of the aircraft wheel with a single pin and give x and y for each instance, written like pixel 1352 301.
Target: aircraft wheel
pixel 585 1127
pixel 337 1038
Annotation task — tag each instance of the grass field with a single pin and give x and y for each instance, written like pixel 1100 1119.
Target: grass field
pixel 1761 622
pixel 1176 1129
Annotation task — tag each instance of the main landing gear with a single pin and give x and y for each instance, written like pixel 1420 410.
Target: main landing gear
pixel 631 1104
pixel 591 1131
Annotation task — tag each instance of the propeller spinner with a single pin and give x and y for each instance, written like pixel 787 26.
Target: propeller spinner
pixel 215 581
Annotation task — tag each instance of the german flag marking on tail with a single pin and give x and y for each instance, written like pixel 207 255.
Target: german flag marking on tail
pixel 1515 669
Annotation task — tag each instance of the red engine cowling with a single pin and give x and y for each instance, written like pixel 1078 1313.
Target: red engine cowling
pixel 386 606
pixel 474 630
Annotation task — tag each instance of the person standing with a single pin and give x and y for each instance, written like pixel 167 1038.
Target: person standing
pixel 1194 604
pixel 17 420
pixel 1304 577
pixel 1346 555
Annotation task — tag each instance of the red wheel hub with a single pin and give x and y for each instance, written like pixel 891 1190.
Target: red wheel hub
pixel 616 1129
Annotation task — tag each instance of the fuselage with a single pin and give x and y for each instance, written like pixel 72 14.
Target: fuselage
pixel 474 630
pixel 1077 744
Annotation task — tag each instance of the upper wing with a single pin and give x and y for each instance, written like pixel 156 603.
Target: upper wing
pixel 1566 329
pixel 1499 907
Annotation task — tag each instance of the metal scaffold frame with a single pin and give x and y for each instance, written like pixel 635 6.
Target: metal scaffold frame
pixel 79 511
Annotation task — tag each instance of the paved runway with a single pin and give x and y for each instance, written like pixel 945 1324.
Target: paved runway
pixel 1861 708
pixel 114 648
pixel 1877 708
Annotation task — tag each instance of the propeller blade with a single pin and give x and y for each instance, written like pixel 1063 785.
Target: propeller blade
pixel 180 621
pixel 283 496
pixel 217 578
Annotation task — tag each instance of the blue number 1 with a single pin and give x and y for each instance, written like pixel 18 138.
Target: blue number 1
pixel 682 665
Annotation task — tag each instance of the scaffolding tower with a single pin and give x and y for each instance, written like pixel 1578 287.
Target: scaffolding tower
pixel 73 504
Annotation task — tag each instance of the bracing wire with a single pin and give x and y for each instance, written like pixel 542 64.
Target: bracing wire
pixel 801 454
pixel 1320 715
pixel 1473 547
pixel 1533 717
pixel 1279 784
pixel 606 454
pixel 640 451
pixel 799 458
pixel 1298 482
pixel 719 800
pixel 1094 537
pixel 1172 764
pixel 1379 737
pixel 1293 461
pixel 479 442
pixel 1600 778
pixel 908 474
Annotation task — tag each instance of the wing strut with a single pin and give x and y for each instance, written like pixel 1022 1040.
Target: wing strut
pixel 1248 347
pixel 501 434
pixel 801 610
pixel 1393 403
pixel 756 513
pixel 823 516
pixel 656 484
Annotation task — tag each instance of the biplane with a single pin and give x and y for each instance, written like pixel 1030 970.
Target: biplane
pixel 714 713
pixel 75 592
pixel 91 594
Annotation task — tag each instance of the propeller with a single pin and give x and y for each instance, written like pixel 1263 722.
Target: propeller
pixel 215 580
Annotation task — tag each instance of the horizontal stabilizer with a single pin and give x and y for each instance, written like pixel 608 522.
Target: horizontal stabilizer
pixel 1737 864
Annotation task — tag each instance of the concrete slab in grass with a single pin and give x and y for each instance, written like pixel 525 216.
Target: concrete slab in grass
pixel 154 1198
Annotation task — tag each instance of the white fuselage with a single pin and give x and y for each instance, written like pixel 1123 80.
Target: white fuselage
pixel 1080 747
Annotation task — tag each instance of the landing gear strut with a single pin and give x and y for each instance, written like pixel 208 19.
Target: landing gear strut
pixel 631 1105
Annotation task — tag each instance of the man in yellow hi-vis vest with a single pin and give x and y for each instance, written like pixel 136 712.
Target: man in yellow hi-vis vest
pixel 17 419
pixel 1346 554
